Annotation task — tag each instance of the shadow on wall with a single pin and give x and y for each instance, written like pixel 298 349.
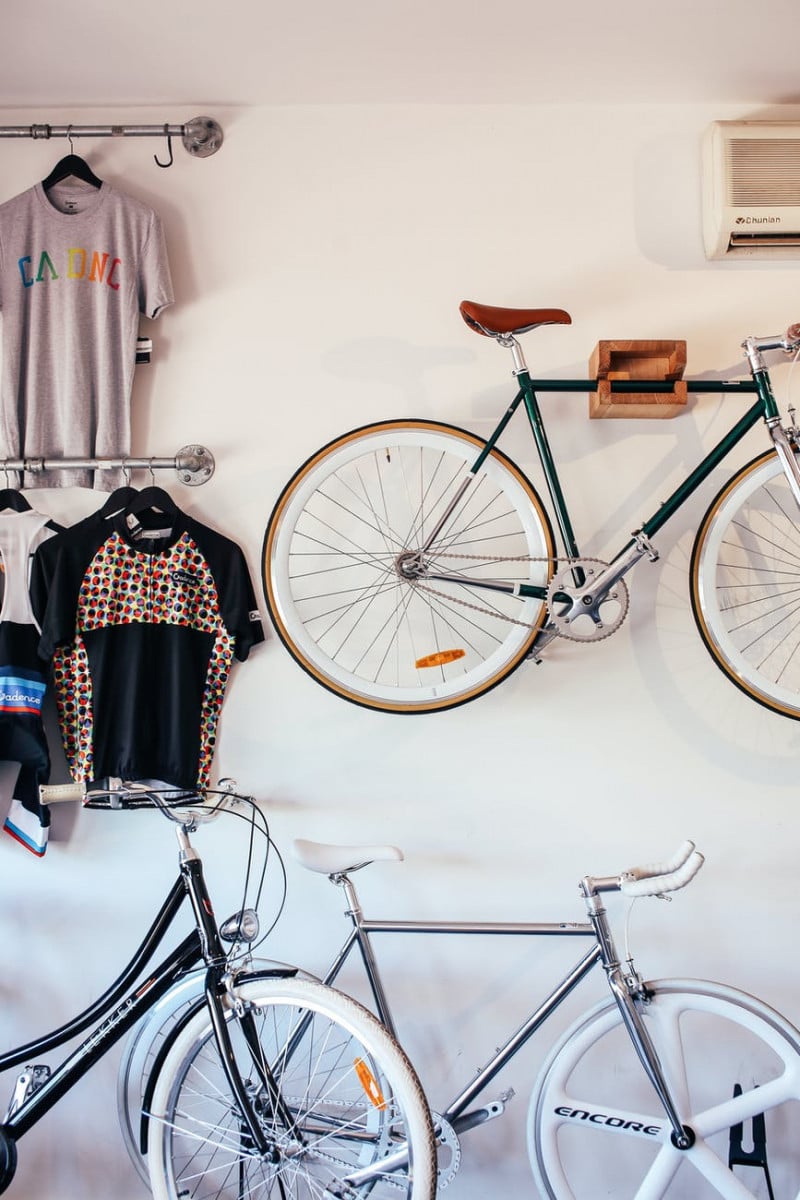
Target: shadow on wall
pixel 393 361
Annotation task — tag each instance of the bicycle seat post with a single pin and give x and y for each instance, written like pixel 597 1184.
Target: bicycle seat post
pixel 353 910
pixel 510 342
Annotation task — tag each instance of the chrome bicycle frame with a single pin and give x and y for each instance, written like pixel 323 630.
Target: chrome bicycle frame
pixel 626 988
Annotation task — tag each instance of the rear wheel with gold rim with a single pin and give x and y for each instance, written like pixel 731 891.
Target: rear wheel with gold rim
pixel 358 603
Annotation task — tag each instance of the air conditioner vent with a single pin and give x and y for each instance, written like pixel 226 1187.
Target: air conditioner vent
pixel 764 172
pixel 751 190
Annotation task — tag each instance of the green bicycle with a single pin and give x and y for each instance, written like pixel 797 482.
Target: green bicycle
pixel 410 566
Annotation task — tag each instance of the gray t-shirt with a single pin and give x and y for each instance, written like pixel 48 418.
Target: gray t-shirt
pixel 77 266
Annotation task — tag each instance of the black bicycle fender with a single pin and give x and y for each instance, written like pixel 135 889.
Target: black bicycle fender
pixel 277 971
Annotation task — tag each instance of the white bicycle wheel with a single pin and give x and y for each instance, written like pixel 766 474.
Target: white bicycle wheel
pixel 595 1125
pixel 333 577
pixel 355 1122
pixel 745 579
pixel 143 1046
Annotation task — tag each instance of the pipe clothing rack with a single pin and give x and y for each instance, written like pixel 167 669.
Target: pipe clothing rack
pixel 193 464
pixel 202 136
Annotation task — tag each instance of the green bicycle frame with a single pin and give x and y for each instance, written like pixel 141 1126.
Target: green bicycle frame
pixel 764 409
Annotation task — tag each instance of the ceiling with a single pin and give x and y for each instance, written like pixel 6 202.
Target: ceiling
pixel 385 51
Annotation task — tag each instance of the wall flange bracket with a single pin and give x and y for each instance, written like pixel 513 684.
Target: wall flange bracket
pixel 202 137
pixel 194 465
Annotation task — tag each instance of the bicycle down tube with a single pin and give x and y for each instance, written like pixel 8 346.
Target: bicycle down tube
pixel 114 1021
pixel 764 408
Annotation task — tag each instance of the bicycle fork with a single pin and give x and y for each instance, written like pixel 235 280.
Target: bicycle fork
pixel 627 990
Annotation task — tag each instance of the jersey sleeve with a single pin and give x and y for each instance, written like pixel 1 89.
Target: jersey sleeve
pixel 237 602
pixel 155 280
pixel 239 609
pixel 56 577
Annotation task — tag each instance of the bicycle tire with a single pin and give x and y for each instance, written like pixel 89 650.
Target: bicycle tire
pixel 334 590
pixel 146 1047
pixel 141 1050
pixel 596 1127
pixel 745 584
pixel 352 1094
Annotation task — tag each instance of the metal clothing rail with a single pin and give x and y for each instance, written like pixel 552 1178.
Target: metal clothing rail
pixel 193 464
pixel 202 136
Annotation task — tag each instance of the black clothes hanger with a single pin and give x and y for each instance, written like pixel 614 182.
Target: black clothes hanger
pixel 151 513
pixel 71 165
pixel 151 498
pixel 119 499
pixel 14 499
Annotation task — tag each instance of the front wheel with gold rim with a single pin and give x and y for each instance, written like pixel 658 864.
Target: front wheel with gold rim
pixel 371 607
pixel 745 581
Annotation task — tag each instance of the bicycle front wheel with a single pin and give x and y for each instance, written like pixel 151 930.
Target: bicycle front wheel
pixel 141 1051
pixel 745 579
pixel 596 1128
pixel 336 566
pixel 342 1111
pixel 147 1046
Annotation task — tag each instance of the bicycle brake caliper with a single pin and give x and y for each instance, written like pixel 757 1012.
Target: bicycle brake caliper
pixel 237 1004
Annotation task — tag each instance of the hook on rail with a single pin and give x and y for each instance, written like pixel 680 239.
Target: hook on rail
pixel 156 159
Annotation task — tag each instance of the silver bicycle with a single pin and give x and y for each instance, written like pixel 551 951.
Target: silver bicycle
pixel 648 1095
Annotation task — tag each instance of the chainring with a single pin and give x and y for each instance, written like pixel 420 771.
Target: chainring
pixel 576 611
pixel 448 1151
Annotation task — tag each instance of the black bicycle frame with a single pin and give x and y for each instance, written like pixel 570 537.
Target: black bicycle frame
pixel 111 1015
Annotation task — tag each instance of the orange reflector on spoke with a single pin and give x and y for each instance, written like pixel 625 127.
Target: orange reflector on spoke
pixel 440 659
pixel 369 1084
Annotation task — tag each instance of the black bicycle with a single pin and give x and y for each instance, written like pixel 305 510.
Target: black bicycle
pixel 268 1085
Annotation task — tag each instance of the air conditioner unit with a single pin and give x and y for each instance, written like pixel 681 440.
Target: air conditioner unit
pixel 751 189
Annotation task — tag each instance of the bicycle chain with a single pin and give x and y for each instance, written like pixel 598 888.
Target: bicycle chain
pixel 490 612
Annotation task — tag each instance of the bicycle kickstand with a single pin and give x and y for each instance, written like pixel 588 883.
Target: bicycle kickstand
pixel 757 1157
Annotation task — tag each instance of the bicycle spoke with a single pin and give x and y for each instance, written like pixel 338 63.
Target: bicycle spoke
pixel 365 609
pixel 333 1102
pixel 746 585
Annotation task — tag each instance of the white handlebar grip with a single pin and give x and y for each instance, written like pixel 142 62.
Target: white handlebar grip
pixel 650 870
pixel 658 884
pixel 54 793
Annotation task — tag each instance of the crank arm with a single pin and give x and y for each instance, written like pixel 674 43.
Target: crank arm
pixel 602 585
pixel 479 1116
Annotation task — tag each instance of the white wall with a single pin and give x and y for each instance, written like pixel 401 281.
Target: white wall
pixel 318 263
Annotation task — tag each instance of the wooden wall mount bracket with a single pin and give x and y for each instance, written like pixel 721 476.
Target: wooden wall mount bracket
pixel 653 361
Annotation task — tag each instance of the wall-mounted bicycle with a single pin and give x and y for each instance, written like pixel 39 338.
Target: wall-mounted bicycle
pixel 410 566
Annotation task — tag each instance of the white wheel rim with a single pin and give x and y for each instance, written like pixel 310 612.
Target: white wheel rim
pixel 775 693
pixel 673 998
pixel 443 686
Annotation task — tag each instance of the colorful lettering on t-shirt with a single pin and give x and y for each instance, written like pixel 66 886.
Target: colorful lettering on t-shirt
pixel 75 268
